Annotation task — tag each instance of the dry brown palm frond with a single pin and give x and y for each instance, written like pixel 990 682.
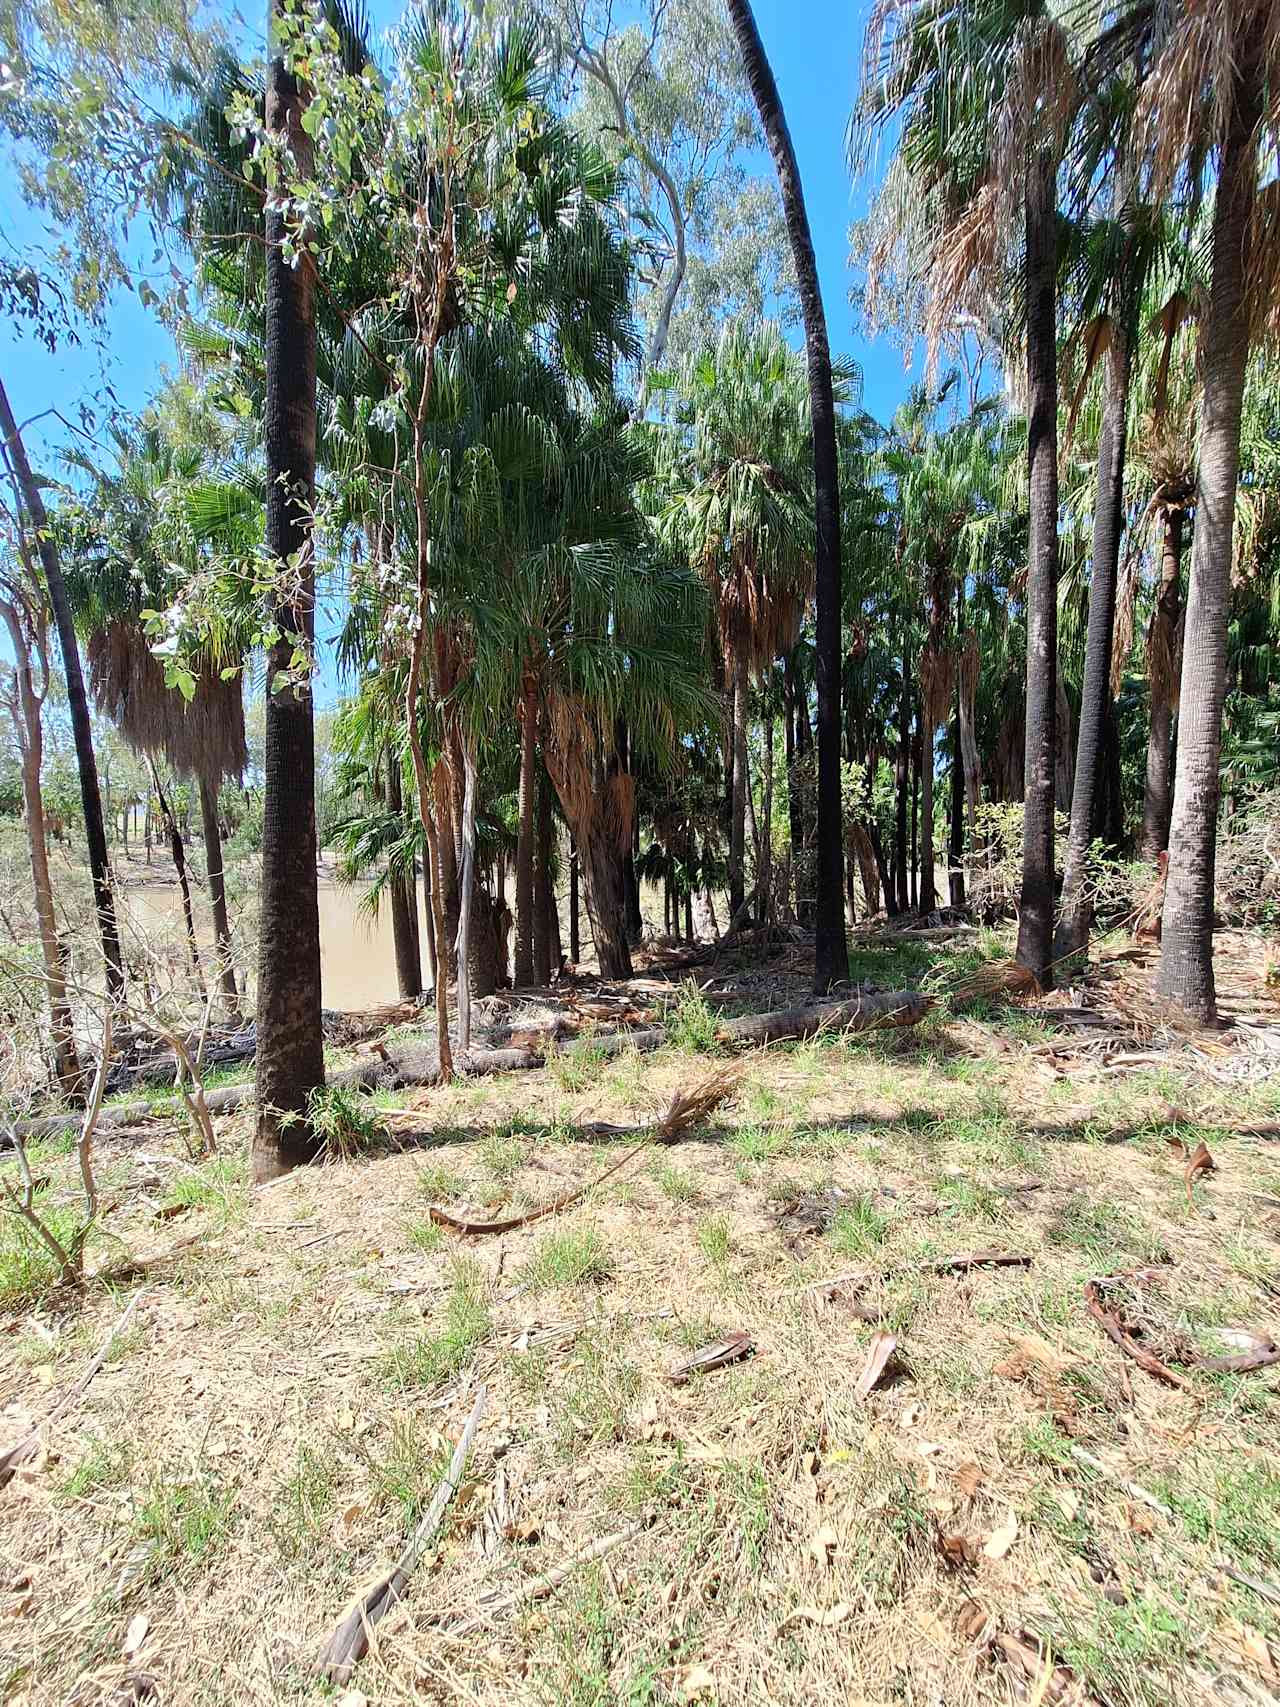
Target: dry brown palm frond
pixel 1126 610
pixel 965 257
pixel 690 1108
pixel 997 978
pixel 203 736
pixel 1164 659
pixel 1165 324
pixel 937 683
pixel 1037 108
pixel 1096 340
pixel 619 807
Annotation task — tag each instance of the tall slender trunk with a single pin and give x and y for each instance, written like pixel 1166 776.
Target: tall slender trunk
pixel 429 916
pixel 915 821
pixel 1076 914
pixel 955 850
pixel 290 1052
pixel 178 853
pixel 765 881
pixel 1035 911
pixel 213 860
pixel 575 945
pixel 466 891
pixel 77 702
pixel 794 820
pixel 544 894
pixel 402 895
pixel 928 876
pixel 26 709
pixel 831 951
pixel 738 811
pixel 902 779
pixel 526 831
pixel 1162 664
pixel 1185 973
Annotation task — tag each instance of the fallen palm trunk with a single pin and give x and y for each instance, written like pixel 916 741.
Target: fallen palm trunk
pixel 350 1641
pixel 399 1066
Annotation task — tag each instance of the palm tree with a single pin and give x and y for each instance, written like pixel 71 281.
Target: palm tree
pixel 77 701
pixel 831 954
pixel 986 93
pixel 290 1055
pixel 1209 95
pixel 733 483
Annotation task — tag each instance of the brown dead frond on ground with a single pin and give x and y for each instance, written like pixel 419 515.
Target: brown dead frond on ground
pixel 691 1108
pixel 997 978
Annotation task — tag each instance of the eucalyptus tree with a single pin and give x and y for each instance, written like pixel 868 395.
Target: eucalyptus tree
pixel 985 97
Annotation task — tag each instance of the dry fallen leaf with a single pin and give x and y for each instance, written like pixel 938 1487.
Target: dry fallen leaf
pixel 958 1551
pixel 1140 1520
pixel 826 1616
pixel 1199 1162
pixel 969 1479
pixel 879 1352
pixel 971 1620
pixel 693 1682
pixel 135 1635
pixel 1000 1540
pixel 823 1543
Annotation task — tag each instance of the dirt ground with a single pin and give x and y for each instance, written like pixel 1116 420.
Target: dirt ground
pixel 1015 1510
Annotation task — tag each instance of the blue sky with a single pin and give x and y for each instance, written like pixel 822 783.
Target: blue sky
pixel 815 55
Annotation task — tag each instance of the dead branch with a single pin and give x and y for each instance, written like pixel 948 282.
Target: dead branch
pixel 10 1460
pixel 546 1584
pixel 350 1641
pixel 1111 1325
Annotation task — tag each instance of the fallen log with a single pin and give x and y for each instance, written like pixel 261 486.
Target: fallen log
pixel 399 1066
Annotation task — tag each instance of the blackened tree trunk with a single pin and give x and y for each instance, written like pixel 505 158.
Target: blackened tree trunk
pixel 214 867
pixel 290 1036
pixel 575 946
pixel 606 899
pixel 831 952
pixel 544 894
pixel 402 894
pixel 915 822
pixel 1162 677
pixel 1035 912
pixel 928 875
pixel 1076 914
pixel 1185 973
pixel 77 702
pixel 178 853
pixel 955 851
pixel 741 782
pixel 526 833
pixel 794 820
pixel 902 778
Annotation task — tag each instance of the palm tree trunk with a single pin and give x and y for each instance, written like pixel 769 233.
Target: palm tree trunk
pixel 1162 659
pixel 831 952
pixel 429 916
pixel 77 703
pixel 526 832
pixel 928 875
pixel 1035 912
pixel 915 821
pixel 290 1035
pixel 1108 522
pixel 575 946
pixel 218 898
pixel 955 853
pixel 401 891
pixel 606 899
pixel 738 810
pixel 466 889
pixel 178 854
pixel 794 822
pixel 1185 973
pixel 765 883
pixel 544 896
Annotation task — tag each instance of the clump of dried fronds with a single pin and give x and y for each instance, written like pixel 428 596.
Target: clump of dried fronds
pixel 690 1108
pixel 997 978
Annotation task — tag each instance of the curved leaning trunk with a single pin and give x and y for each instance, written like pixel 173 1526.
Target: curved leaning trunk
pixel 1076 915
pixel 1035 911
pixel 213 860
pixel 290 1056
pixel 77 701
pixel 1185 973
pixel 1162 676
pixel 831 951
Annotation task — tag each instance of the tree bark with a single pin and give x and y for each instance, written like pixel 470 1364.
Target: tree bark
pixel 928 875
pixel 544 893
pixel 1076 914
pixel 526 832
pixel 178 854
pixel 290 1035
pixel 575 945
pixel 213 860
pixel 1162 644
pixel 955 852
pixel 402 893
pixel 741 782
pixel 77 702
pixel 902 777
pixel 831 951
pixel 766 838
pixel 915 820
pixel 1185 973
pixel 1035 912
pixel 466 890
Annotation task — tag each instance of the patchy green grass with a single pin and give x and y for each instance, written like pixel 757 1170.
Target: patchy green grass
pixel 347 1123
pixel 689 1023
pixel 575 1257
pixel 430 1360
pixel 859 1228
pixel 185 1520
